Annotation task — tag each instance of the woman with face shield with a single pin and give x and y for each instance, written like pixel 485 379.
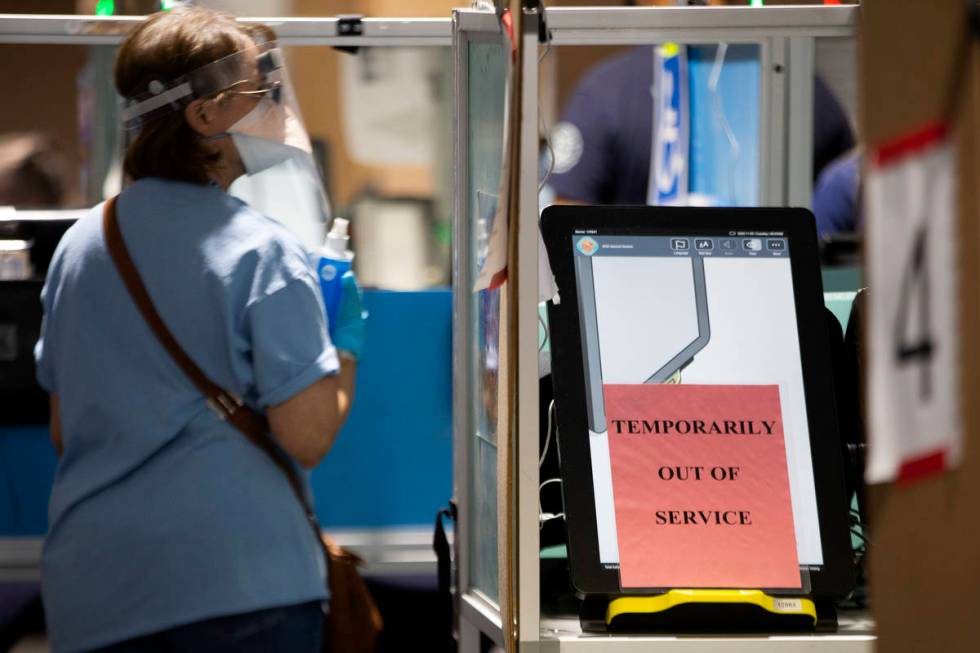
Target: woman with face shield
pixel 168 528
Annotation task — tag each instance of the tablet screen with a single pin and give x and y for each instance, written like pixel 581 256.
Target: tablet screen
pixel 708 308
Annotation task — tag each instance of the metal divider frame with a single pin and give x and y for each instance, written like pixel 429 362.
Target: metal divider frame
pixel 528 563
pixel 476 614
pixel 402 551
pixel 111 30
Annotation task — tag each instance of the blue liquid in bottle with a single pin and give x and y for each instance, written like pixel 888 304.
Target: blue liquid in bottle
pixel 335 261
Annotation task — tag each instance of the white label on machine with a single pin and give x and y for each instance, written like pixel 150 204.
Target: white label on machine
pixel 787 605
pixel 914 385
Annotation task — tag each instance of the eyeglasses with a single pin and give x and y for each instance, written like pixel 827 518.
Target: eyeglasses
pixel 273 88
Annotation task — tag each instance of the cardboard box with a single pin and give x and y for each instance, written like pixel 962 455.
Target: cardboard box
pixel 925 551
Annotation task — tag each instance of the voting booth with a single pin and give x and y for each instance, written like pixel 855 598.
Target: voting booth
pixel 499 441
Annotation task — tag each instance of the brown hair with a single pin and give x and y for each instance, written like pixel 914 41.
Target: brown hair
pixel 166 46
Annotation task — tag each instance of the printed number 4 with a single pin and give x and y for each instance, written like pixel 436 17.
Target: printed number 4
pixel 915 285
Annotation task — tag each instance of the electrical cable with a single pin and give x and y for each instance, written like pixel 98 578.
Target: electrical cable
pixel 547 517
pixel 857 529
pixel 547 334
pixel 548 482
pixel 547 437
pixel 544 517
pixel 543 126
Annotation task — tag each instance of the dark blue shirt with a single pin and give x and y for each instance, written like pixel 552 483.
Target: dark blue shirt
pixel 604 140
pixel 836 204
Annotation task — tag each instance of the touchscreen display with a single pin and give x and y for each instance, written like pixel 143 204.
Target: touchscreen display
pixel 700 309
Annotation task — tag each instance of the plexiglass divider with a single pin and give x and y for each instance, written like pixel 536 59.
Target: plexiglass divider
pixel 480 87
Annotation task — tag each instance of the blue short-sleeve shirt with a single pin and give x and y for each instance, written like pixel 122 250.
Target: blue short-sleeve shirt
pixel 161 513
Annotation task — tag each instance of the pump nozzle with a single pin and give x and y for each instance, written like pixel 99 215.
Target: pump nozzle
pixel 339 227
pixel 335 246
pixel 335 261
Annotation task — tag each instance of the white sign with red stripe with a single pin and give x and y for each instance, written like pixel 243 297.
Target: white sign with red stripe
pixel 913 340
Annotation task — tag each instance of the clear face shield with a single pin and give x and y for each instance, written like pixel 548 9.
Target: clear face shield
pixel 281 179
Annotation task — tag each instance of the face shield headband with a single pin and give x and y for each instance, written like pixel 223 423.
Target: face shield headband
pixel 224 74
pixel 281 181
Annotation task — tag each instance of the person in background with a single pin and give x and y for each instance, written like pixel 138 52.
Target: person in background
pixel 837 196
pixel 32 172
pixel 169 530
pixel 603 142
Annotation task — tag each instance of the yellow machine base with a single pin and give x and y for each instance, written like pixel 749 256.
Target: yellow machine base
pixel 634 608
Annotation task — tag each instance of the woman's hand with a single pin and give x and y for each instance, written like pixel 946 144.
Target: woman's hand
pixel 350 331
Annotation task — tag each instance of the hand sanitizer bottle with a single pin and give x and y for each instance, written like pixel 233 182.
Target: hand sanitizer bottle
pixel 335 260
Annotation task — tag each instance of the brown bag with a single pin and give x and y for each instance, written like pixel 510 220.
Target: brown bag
pixel 354 622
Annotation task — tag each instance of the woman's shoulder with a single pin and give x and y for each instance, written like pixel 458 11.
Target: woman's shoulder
pixel 79 240
pixel 232 240
pixel 201 211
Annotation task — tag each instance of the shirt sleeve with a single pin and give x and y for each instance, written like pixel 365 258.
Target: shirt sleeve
pixel 290 346
pixel 581 147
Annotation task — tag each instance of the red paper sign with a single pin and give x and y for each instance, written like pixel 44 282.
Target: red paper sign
pixel 700 486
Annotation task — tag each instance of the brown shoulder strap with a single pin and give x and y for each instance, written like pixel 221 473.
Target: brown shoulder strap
pixel 228 406
pixel 223 402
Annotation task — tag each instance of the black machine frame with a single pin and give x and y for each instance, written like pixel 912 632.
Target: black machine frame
pixel 835 577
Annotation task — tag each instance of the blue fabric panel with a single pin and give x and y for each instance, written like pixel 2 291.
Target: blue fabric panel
pixel 27 462
pixel 392 463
